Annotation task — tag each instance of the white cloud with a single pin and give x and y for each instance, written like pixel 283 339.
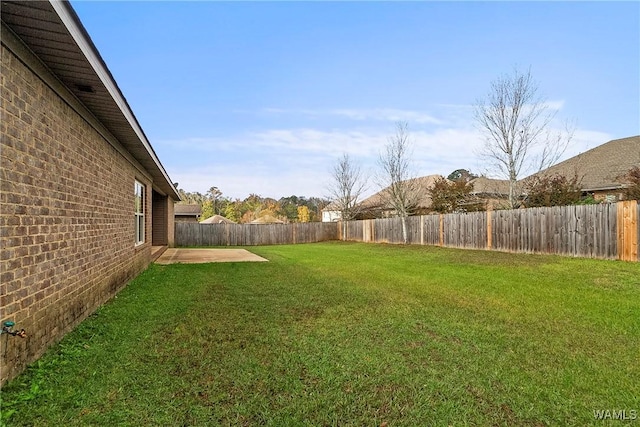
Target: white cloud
pixel 555 105
pixel 327 142
pixel 238 181
pixel 374 114
pixel 387 114
pixel 446 150
pixel 284 161
pixel 331 143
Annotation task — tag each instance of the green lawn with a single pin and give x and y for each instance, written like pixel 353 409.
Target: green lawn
pixel 350 335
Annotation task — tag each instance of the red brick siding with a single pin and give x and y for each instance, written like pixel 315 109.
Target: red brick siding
pixel 66 216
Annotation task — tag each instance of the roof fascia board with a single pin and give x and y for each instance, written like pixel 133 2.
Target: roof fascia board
pixel 14 44
pixel 606 188
pixel 72 22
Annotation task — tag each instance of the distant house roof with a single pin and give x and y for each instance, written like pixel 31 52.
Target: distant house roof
pixel 481 186
pixel 489 186
pixel 376 202
pixel 602 167
pixel 267 219
pixel 334 206
pixel 180 209
pixel 53 31
pixel 217 219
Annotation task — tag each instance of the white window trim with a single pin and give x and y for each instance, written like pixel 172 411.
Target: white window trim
pixel 139 233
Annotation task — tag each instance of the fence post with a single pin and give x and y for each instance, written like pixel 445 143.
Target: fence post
pixel 441 229
pixel 627 233
pixel 489 236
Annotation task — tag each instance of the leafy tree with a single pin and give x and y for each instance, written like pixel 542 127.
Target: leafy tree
pixel 316 205
pixel 253 202
pixel 248 216
pixel 461 174
pixel 207 209
pixel 632 179
pixel 191 197
pixel 270 204
pixel 556 190
pixel 303 214
pixel 288 207
pixel 231 212
pixel 453 196
pixel 252 207
pixel 214 196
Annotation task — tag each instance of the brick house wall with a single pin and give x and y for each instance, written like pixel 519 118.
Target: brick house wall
pixel 67 241
pixel 611 196
pixel 171 229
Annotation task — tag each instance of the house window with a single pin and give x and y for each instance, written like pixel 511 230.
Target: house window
pixel 139 212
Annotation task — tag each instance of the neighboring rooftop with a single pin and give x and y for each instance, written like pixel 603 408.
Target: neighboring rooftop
pixel 181 209
pixel 602 167
pixel 489 186
pixel 217 219
pixel 376 202
pixel 267 219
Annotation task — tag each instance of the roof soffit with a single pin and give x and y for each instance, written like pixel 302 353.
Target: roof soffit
pixel 54 33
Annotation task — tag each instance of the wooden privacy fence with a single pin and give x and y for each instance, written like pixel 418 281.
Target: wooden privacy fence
pixel 195 234
pixel 609 231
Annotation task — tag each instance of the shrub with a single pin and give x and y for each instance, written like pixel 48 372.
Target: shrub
pixel 632 179
pixel 556 190
pixel 453 196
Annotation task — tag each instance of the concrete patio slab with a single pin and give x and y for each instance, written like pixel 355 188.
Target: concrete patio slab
pixel 199 256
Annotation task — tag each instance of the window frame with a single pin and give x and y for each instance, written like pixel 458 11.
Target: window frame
pixel 139 199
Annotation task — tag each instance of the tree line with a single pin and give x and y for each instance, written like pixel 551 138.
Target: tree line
pixel 254 207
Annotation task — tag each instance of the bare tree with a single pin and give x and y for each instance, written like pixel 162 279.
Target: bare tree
pixel 401 189
pixel 515 122
pixel 214 194
pixel 348 184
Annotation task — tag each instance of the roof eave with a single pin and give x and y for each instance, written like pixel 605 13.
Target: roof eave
pixel 77 31
pixel 604 188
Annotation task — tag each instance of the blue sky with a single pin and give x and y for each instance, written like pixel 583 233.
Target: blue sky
pixel 264 97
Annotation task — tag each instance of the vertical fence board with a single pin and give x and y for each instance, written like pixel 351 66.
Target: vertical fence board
pixel 431 229
pixel 627 230
pixel 414 232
